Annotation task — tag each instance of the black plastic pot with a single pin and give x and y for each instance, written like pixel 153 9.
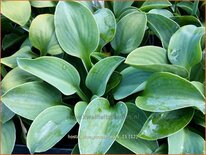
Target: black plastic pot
pixel 22 149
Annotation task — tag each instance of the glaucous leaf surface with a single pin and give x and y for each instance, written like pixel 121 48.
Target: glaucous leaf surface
pixel 17 11
pixel 100 125
pixel 71 20
pixel 163 27
pixel 113 81
pixel 49 127
pixel 154 59
pixel 166 92
pixel 43 37
pixel 79 110
pixel 125 41
pixel 127 11
pixel 161 125
pixel 119 6
pixel 200 86
pixel 16 77
pixel 8 137
pixel 163 12
pixel 99 73
pixel 133 80
pixel 6 113
pixel 24 52
pixel 107 26
pixel 186 142
pixel 42 4
pixel 150 4
pixel 184 46
pixel 128 135
pixel 30 99
pixel 55 71
pixel 186 20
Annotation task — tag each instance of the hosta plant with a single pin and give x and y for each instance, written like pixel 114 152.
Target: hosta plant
pixel 122 77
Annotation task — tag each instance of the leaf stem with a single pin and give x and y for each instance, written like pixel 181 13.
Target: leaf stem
pixel 82 95
pixel 87 63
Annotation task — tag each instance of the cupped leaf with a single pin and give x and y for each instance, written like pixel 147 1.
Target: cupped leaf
pixel 166 92
pixel 102 71
pixel 100 125
pixel 79 110
pixel 153 58
pixel 125 41
pixel 30 99
pixel 163 12
pixel 128 135
pixel 17 11
pixel 16 77
pixel 43 37
pixel 199 86
pixel 49 127
pixel 71 33
pixel 8 137
pixel 6 113
pixel 163 27
pixel 184 46
pixel 133 80
pixel 119 6
pixel 42 4
pixel 55 71
pixel 24 52
pixel 161 125
pixel 186 20
pixel 186 142
pixel 107 26
pixel 151 4
pixel 127 11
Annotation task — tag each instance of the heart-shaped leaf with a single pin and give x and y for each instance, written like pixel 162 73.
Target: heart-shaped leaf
pixel 49 127
pixel 161 125
pixel 99 73
pixel 17 11
pixel 43 37
pixel 31 98
pixel 186 142
pixel 133 80
pixel 107 26
pixel 151 4
pixel 119 6
pixel 79 110
pixel 24 52
pixel 71 33
pixel 100 125
pixel 42 4
pixel 55 71
pixel 184 46
pixel 163 12
pixel 132 126
pixel 153 58
pixel 163 27
pixel 125 41
pixel 166 92
pixel 8 137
